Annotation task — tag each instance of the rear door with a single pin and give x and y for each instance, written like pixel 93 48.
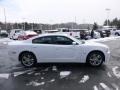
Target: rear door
pixel 44 49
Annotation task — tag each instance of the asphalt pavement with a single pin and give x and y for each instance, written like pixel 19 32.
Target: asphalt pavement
pixel 61 76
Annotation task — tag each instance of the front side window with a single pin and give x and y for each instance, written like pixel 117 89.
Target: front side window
pixel 43 40
pixel 62 40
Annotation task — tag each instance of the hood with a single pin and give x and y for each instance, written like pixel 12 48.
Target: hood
pixel 91 43
pixel 15 43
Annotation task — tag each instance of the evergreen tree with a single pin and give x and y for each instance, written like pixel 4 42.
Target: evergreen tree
pixel 95 26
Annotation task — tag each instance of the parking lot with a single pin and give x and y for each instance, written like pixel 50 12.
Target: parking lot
pixel 59 76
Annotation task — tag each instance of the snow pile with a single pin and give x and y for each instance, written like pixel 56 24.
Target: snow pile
pixel 5 76
pixel 46 69
pixel 64 74
pixel 109 74
pixel 42 78
pixel 84 79
pixel 105 39
pixel 52 80
pixel 95 88
pixel 36 74
pixel 54 68
pixel 33 83
pixel 116 72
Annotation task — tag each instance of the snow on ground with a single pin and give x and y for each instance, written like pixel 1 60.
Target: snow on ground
pixel 34 83
pixel 52 80
pixel 116 72
pixel 105 39
pixel 64 74
pixel 84 79
pixel 104 86
pixel 54 68
pixel 4 75
pixel 95 88
pixel 115 86
pixel 109 75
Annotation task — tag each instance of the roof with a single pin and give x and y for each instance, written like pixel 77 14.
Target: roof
pixel 50 30
pixel 52 34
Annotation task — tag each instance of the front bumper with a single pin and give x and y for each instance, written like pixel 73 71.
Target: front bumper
pixel 107 56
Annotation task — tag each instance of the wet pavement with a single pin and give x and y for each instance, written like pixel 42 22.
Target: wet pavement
pixel 69 76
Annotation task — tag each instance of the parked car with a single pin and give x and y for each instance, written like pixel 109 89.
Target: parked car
pixel 102 33
pixel 3 33
pixel 115 32
pixel 85 34
pixel 26 35
pixel 96 35
pixel 47 48
pixel 15 33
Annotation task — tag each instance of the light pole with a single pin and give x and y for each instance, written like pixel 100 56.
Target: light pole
pixel 23 23
pixel 5 19
pixel 108 12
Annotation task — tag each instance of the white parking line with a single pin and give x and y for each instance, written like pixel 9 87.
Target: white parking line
pixel 95 87
pixel 4 75
pixel 104 86
pixel 84 79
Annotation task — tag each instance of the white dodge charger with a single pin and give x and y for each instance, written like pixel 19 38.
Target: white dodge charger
pixel 58 48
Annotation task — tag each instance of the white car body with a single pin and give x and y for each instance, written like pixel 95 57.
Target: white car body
pixel 96 35
pixel 115 32
pixel 57 53
pixel 67 31
pixel 14 34
pixel 26 35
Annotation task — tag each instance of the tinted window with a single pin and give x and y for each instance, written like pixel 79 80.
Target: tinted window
pixel 65 30
pixel 61 40
pixel 43 40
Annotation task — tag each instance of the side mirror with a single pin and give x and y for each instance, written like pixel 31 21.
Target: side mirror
pixel 74 43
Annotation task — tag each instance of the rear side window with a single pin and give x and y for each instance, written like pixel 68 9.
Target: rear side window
pixel 43 40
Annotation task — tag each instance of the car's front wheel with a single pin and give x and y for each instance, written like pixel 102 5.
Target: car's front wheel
pixel 28 59
pixel 117 34
pixel 95 59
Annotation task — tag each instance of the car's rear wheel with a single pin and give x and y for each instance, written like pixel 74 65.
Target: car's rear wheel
pixel 28 59
pixel 95 59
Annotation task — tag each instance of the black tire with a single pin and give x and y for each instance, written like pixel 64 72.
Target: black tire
pixel 117 34
pixel 28 59
pixel 95 59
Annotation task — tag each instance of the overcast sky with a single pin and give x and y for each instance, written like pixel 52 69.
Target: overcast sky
pixel 59 11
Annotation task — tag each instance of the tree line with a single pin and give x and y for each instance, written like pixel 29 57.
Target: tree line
pixel 28 26
pixel 72 25
pixel 115 22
